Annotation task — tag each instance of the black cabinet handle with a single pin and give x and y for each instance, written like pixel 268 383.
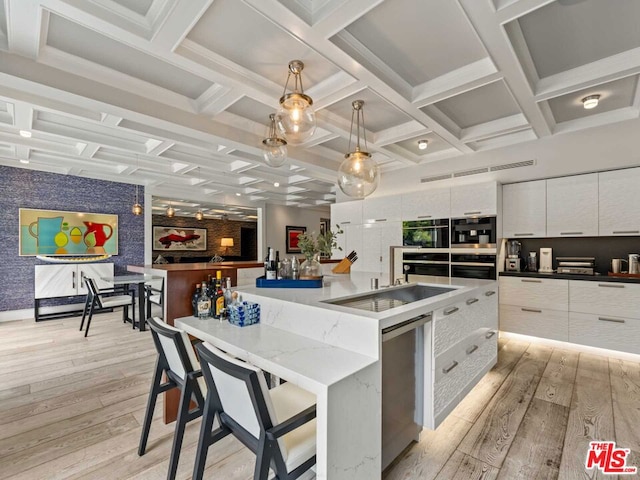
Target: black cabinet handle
pixel 472 349
pixel 489 293
pixel 450 367
pixel 449 311
pixel 471 301
pixel 532 310
pixel 490 334
pixel 610 285
pixel 613 320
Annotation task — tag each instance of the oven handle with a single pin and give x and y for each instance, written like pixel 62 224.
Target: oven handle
pixel 473 264
pixel 431 227
pixel 426 262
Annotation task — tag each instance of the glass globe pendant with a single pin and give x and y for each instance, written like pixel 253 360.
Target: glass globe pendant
pixel 295 118
pixel 274 149
pixel 137 208
pixel 358 175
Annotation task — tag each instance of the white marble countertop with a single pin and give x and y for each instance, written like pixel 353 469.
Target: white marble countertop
pixel 311 364
pixel 357 283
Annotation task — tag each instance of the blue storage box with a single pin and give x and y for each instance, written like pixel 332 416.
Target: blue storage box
pixel 244 313
pixel 262 282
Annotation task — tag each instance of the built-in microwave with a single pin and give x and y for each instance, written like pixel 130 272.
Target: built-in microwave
pixel 478 232
pixel 416 265
pixel 426 233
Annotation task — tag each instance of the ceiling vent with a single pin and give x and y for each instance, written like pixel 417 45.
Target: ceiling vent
pixel 466 173
pixel 435 178
pixel 506 166
pixel 478 171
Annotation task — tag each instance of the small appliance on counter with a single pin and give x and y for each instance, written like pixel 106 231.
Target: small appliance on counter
pixel 532 262
pixel 513 256
pixel 546 260
pixel 577 265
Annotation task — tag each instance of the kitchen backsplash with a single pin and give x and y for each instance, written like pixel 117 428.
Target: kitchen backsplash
pixel 602 248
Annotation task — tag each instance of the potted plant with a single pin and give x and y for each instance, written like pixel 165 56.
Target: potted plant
pixel 312 246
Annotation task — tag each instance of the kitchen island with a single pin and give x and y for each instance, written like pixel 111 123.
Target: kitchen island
pixel 337 353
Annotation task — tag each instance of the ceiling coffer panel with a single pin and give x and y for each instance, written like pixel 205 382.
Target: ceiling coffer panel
pixel 409 36
pixel 567 34
pixel 481 105
pixel 82 42
pixel 238 33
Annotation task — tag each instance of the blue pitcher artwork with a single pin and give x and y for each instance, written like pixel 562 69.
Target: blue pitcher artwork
pixel 52 232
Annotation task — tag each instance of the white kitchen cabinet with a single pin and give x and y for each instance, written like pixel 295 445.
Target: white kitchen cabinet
pixel 427 204
pixel 618 202
pixel 605 298
pixel 346 213
pixel 480 199
pixel 572 206
pixel 548 293
pixel 524 209
pixel 537 322
pixel 68 279
pixel 382 209
pixel 375 242
pixel 605 331
pixel 463 340
pixel 352 241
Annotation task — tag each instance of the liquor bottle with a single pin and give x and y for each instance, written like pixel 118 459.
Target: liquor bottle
pixel 204 304
pixel 266 262
pixel 194 300
pixel 271 267
pixel 227 293
pixel 277 262
pixel 295 268
pixel 218 301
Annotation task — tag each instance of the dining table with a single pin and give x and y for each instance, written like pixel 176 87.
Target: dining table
pixel 139 279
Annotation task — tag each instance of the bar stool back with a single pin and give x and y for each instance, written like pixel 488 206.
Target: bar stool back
pixel 177 360
pixel 278 425
pixel 107 298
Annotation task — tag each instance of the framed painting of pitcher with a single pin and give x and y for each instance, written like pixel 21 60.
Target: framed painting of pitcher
pixel 55 232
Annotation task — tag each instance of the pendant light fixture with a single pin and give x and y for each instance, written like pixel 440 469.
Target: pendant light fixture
pixel 170 210
pixel 358 174
pixel 137 208
pixel 295 118
pixel 274 149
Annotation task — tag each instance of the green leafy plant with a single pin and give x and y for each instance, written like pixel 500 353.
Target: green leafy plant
pixel 323 243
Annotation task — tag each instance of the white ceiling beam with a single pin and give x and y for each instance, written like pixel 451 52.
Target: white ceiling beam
pixel 519 8
pixel 341 17
pixel 458 81
pixel 601 71
pixel 501 126
pixel 399 133
pixel 489 29
pixel 177 24
pixel 619 115
pixel 23 27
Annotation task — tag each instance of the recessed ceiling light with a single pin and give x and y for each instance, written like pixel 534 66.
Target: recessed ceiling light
pixel 590 102
pixel 276 184
pixel 25 133
pixel 238 194
pixel 24 161
pixel 422 144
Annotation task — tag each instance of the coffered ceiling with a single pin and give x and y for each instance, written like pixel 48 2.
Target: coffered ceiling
pixel 175 94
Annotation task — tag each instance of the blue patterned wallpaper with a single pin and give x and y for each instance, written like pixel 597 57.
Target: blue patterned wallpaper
pixel 22 188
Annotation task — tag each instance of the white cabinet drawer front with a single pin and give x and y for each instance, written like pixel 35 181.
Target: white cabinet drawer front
pixel 615 333
pixel 461 350
pixel 545 323
pixel 605 298
pixel 457 375
pixel 535 292
pixel 454 323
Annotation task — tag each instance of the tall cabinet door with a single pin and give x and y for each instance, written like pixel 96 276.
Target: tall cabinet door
pixel 480 199
pixel 345 214
pixel 572 206
pixel 353 242
pixel 524 209
pixel 619 202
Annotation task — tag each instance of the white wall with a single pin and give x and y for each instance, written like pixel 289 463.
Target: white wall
pixel 277 217
pixel 593 149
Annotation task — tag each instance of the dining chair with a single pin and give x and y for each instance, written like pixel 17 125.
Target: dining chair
pixel 177 360
pixel 278 425
pixel 98 299
pixel 154 295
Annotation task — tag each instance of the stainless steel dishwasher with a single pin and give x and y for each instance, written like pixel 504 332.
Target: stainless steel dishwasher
pixel 402 364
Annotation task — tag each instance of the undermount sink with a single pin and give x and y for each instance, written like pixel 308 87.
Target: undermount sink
pixel 381 300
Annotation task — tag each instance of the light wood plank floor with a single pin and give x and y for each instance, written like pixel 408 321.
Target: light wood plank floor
pixel 72 407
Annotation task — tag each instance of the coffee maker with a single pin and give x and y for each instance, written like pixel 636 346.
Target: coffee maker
pixel 513 261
